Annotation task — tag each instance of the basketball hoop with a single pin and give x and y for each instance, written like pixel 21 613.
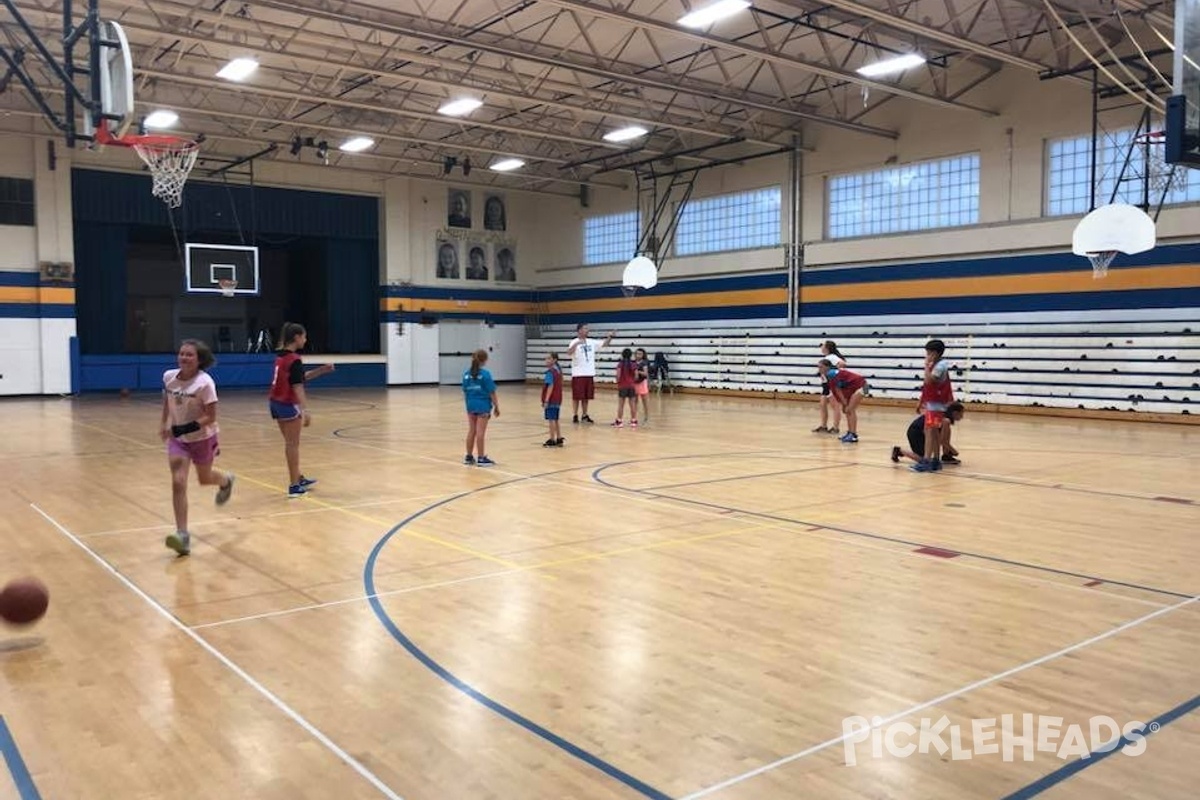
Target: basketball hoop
pixel 169 158
pixel 228 287
pixel 1100 262
pixel 1161 176
pixel 629 291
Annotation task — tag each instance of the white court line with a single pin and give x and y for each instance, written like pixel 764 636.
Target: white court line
pixel 285 611
pixel 939 700
pixel 295 716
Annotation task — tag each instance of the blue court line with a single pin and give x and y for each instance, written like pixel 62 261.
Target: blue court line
pixel 416 652
pixel 748 477
pixel 1062 773
pixel 16 765
pixel 596 476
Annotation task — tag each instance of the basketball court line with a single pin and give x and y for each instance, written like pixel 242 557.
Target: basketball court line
pixel 266 693
pixel 450 678
pixel 877 536
pixel 1079 765
pixel 748 477
pixel 568 747
pixel 940 699
pixel 26 790
pixel 273 515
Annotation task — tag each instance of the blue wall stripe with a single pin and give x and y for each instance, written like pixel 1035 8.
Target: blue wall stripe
pixel 14 278
pixel 16 765
pixel 669 314
pixel 999 265
pixel 37 311
pixel 416 316
pixel 1077 766
pixel 512 716
pixel 1075 301
pixel 772 280
pixel 456 293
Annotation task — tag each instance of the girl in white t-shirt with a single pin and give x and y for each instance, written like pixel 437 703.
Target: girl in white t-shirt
pixel 189 427
pixel 829 350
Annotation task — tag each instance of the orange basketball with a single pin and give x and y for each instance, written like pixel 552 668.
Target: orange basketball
pixel 24 601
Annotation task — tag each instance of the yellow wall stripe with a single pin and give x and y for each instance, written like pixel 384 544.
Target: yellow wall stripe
pixel 35 294
pixel 1179 276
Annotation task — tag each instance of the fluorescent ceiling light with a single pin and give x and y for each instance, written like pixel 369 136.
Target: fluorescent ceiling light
pixel 891 65
pixel 238 70
pixel 507 165
pixel 456 108
pixel 625 134
pixel 703 17
pixel 357 144
pixel 161 119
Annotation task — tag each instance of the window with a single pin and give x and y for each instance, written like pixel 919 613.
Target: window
pixel 1069 174
pixel 738 221
pixel 926 194
pixel 610 239
pixel 16 201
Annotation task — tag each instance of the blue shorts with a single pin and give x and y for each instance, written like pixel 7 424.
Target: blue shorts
pixel 284 411
pixel 552 412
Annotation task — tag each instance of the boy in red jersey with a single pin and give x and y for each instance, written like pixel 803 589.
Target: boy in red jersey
pixel 936 396
pixel 848 389
pixel 552 399
pixel 288 401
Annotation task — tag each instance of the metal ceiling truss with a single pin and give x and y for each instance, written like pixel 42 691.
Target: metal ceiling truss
pixel 556 75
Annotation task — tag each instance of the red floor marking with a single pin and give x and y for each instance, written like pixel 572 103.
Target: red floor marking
pixel 1093 583
pixel 936 551
pixel 1183 500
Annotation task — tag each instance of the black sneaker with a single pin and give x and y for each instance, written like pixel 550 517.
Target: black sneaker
pixel 559 442
pixel 548 443
pixel 951 461
pixel 588 419
pixel 469 460
pixel 896 455
pixel 575 419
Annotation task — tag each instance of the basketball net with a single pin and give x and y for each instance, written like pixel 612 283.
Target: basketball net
pixel 629 291
pixel 1100 262
pixel 228 287
pixel 1161 176
pixel 169 158
pixel 170 164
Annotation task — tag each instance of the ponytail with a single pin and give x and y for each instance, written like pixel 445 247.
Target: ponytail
pixel 832 347
pixel 291 331
pixel 478 359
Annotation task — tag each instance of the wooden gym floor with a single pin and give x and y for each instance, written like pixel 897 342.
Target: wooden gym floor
pixel 688 610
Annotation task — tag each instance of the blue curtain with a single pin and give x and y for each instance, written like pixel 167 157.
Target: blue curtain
pixel 100 255
pixel 352 270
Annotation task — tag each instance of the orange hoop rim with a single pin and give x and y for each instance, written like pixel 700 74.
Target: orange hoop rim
pixel 156 141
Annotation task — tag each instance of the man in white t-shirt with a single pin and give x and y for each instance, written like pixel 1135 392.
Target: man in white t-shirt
pixel 582 351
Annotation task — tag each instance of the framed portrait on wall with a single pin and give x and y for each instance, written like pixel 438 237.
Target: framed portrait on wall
pixel 446 263
pixel 506 263
pixel 458 208
pixel 495 213
pixel 477 261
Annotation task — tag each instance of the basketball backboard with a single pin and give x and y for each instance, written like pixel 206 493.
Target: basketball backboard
pixel 1183 107
pixel 209 264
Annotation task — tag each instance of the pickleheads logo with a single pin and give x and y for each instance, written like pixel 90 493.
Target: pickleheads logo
pixel 1026 735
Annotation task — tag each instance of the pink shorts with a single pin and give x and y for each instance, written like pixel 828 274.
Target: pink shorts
pixel 202 452
pixel 642 388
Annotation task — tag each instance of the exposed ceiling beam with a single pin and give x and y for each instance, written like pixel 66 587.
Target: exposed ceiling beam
pixel 453 38
pixel 361 69
pixel 926 32
pixel 758 52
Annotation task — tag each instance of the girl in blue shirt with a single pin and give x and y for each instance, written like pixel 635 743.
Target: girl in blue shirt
pixel 479 391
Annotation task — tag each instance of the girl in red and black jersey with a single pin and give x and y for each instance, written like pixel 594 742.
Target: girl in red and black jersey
pixel 847 389
pixel 288 401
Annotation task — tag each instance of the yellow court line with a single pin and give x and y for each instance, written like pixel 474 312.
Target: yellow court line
pixel 389 524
